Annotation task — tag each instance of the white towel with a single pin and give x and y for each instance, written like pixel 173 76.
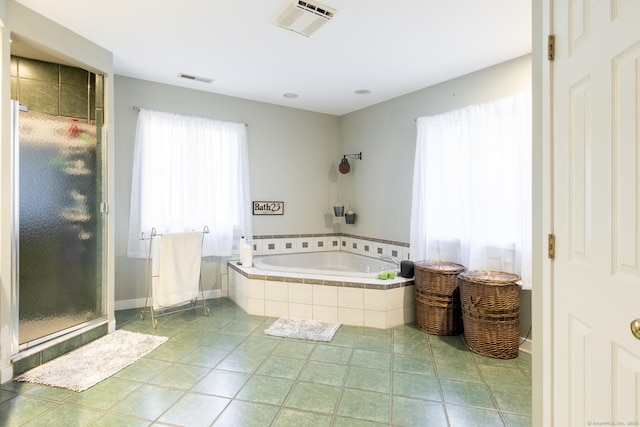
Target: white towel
pixel 176 268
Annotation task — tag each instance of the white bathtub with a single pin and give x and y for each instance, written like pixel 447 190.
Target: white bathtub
pixel 325 286
pixel 330 263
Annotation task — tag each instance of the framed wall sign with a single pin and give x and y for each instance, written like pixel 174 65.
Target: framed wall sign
pixel 268 208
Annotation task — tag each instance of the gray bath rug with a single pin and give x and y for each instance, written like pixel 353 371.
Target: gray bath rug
pixel 302 329
pixel 94 362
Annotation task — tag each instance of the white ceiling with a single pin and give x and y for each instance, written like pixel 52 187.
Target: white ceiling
pixel 388 47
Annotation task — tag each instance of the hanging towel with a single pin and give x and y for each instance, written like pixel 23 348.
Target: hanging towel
pixel 176 268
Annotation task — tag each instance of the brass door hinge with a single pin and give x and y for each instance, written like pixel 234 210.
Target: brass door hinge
pixel 551 47
pixel 552 246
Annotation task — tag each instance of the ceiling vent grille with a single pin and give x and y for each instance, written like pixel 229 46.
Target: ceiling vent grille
pixel 305 17
pixel 195 78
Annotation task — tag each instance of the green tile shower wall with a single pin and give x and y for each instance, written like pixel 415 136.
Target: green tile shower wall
pixel 59 349
pixel 54 89
pixel 58 90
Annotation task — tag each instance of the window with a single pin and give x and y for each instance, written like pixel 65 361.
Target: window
pixel 188 173
pixel 472 187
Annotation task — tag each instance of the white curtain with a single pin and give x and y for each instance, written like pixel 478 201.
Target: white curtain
pixel 188 173
pixel 472 187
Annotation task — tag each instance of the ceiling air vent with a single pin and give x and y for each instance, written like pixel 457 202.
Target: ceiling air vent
pixel 305 17
pixel 195 78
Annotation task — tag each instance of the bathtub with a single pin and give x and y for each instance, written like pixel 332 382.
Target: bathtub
pixel 327 286
pixel 329 263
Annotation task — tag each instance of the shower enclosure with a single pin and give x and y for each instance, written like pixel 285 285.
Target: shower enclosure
pixel 58 225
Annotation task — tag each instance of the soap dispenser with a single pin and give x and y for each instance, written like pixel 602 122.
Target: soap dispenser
pixel 247 253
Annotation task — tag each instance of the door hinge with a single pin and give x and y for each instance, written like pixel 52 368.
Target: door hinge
pixel 551 47
pixel 552 246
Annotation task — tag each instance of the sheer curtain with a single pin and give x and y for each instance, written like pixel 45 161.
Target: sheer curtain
pixel 472 187
pixel 189 172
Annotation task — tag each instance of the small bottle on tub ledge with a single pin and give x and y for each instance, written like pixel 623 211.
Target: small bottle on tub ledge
pixel 246 253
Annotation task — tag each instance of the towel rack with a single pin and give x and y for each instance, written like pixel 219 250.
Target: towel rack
pixel 158 311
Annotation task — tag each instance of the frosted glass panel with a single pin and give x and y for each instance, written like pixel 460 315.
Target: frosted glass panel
pixel 60 268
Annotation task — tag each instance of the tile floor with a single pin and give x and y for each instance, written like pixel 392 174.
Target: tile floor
pixel 222 370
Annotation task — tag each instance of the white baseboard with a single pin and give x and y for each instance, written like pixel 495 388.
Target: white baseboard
pixel 526 345
pixel 6 374
pixel 139 302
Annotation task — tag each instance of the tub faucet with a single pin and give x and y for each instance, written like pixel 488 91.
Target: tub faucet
pixel 389 258
pixel 367 269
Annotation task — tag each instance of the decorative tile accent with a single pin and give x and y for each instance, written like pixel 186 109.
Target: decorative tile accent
pixel 257 247
pixel 320 244
pixel 271 247
pixel 288 246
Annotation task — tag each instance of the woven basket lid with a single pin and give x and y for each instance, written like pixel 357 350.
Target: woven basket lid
pixel 488 277
pixel 443 267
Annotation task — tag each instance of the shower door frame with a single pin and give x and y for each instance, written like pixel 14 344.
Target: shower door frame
pixel 15 226
pixel 23 27
pixel 16 347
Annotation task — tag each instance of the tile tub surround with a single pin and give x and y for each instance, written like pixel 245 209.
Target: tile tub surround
pixel 371 303
pixel 295 243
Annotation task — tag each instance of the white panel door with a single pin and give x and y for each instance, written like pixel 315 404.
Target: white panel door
pixel 596 204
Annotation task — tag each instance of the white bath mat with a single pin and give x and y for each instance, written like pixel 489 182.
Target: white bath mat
pixel 94 362
pixel 302 329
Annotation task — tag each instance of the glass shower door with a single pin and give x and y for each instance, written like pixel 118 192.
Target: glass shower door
pixel 59 190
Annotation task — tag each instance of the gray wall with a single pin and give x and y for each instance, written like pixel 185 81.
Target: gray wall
pixel 291 153
pixel 381 183
pixel 386 135
pixel 294 154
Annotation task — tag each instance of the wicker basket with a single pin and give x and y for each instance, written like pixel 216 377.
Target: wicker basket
pixel 437 277
pixel 438 308
pixel 438 314
pixel 491 312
